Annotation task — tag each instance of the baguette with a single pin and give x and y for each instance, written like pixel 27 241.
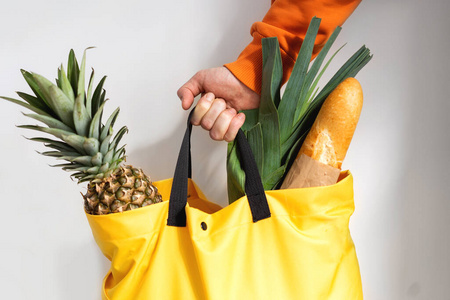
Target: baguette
pixel 319 160
pixel 332 131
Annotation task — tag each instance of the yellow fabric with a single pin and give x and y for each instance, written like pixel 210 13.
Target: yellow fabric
pixel 303 251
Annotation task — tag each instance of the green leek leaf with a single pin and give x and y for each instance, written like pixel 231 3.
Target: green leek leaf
pixel 312 73
pixel 272 74
pixel 295 85
pixel 251 118
pixel 236 176
pixel 313 90
pixel 268 115
pixel 274 178
pixel 276 145
pixel 255 139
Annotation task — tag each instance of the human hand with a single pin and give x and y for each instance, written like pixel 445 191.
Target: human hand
pixel 223 96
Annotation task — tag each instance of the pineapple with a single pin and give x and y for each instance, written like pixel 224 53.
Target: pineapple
pixel 90 151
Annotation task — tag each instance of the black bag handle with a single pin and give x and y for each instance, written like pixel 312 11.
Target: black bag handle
pixel 253 185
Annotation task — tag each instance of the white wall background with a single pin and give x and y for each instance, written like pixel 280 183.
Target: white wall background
pixel 148 49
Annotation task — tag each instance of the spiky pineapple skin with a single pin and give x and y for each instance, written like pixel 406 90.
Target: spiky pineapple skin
pixel 73 114
pixel 127 188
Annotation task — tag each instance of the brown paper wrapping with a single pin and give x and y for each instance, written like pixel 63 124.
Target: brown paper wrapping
pixel 307 172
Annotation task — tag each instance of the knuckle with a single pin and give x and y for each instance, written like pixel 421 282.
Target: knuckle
pixel 203 104
pixel 230 135
pixel 209 96
pixel 195 121
pixel 199 75
pixel 220 103
pixel 215 136
pixel 228 138
pixel 230 113
pixel 206 124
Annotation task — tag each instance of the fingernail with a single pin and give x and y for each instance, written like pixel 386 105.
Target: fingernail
pixel 232 111
pixel 209 97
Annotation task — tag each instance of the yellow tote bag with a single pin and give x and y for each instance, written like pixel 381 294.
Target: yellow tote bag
pixel 282 244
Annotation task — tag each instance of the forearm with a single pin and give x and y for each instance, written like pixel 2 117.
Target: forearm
pixel 288 20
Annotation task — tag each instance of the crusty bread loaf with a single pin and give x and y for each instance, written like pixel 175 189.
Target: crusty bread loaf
pixel 332 131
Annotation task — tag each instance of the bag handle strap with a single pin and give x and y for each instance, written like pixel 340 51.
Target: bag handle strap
pixel 253 185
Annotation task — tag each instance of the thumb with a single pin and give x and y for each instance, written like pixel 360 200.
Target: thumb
pixel 189 91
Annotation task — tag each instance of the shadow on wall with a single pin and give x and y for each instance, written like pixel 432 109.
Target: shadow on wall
pixel 425 185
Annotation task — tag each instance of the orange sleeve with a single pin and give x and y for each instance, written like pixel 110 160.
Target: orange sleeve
pixel 288 20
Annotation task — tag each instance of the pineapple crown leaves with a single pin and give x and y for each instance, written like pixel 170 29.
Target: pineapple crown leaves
pixel 73 114
pixel 276 129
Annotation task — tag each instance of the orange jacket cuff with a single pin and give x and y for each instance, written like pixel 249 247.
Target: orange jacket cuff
pixel 248 67
pixel 279 22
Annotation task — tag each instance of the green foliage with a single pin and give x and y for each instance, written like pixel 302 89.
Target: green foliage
pixel 276 129
pixel 73 115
